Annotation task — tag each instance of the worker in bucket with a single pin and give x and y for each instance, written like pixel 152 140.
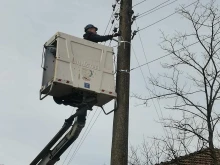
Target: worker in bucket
pixel 91 34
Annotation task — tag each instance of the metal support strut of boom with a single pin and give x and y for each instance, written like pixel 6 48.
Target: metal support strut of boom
pixel 49 155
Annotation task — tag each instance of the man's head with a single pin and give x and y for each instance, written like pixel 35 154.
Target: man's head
pixel 91 28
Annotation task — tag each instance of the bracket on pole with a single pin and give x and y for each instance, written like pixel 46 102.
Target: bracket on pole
pixel 111 110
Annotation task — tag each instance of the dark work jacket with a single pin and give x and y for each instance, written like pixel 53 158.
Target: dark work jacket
pixel 96 38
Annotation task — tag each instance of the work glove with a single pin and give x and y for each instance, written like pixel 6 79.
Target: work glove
pixel 116 34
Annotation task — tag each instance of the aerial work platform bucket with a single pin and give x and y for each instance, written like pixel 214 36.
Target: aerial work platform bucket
pixel 75 69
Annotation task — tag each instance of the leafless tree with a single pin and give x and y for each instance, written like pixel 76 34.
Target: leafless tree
pixel 157 149
pixel 194 83
pixel 147 153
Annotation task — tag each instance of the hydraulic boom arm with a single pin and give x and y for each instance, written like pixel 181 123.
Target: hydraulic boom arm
pixel 49 155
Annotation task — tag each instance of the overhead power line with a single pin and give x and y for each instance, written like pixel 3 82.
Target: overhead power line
pixel 139 3
pixel 154 9
pixel 166 17
pixel 108 22
pixel 82 140
pixel 145 55
pixel 114 6
pixel 73 143
pixel 112 23
pixel 145 81
pixel 169 54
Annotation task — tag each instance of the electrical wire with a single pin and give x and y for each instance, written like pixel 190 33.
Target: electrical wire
pixel 152 10
pixel 111 17
pixel 84 139
pixel 151 74
pixel 165 131
pixel 68 153
pixel 154 7
pixel 81 138
pixel 139 3
pixel 168 54
pixel 113 24
pixel 144 52
pixel 144 79
pixel 166 17
pixel 109 22
pixel 80 144
pixel 73 143
pixel 139 66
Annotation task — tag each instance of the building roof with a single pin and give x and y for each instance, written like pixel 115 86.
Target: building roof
pixel 202 157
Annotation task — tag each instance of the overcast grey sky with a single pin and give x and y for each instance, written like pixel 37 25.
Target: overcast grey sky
pixel 26 123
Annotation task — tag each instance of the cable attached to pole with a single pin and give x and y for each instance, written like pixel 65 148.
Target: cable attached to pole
pixel 167 16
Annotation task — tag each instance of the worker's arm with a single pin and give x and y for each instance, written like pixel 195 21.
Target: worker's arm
pixel 98 38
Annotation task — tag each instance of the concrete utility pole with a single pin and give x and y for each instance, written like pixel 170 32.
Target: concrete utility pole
pixel 119 153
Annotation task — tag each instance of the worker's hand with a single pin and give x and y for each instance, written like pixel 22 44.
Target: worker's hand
pixel 116 34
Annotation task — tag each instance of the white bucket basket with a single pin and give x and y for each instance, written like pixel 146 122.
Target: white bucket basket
pixel 74 67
